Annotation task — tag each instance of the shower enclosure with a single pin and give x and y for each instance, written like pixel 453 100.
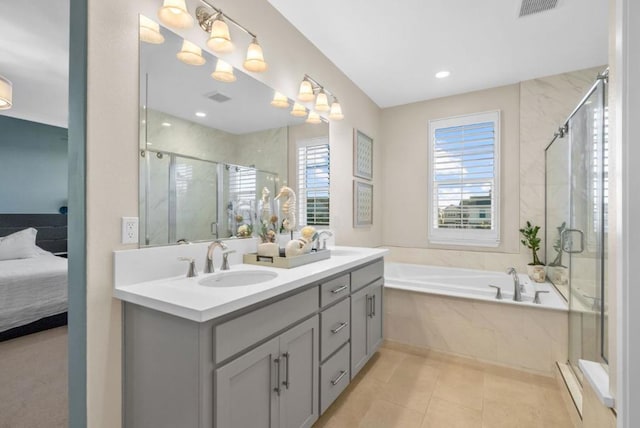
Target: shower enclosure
pixel 576 223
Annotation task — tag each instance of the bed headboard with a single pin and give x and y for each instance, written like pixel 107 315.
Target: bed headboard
pixel 52 229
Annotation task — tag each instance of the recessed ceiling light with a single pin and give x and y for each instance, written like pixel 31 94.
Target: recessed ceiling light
pixel 201 114
pixel 442 74
pixel 166 124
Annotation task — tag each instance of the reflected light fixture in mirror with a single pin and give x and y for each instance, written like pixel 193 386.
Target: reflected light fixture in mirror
pixel 306 91
pixel 298 110
pixel 6 93
pixel 322 102
pixel 255 58
pixel 150 31
pixel 336 110
pixel 279 100
pixel 220 39
pixel 223 72
pixel 314 118
pixel 190 54
pixel 174 13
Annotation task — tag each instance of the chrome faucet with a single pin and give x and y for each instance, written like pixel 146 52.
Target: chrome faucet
pixel 192 271
pixel 517 287
pixel 323 245
pixel 208 265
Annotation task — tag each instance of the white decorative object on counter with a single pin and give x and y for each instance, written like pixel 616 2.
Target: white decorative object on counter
pixel 295 247
pixel 268 249
pixel 288 208
pixel 536 272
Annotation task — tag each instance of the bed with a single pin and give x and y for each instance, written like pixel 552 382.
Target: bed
pixel 33 286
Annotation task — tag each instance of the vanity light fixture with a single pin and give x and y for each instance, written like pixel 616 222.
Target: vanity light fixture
pixel 442 74
pixel 313 118
pixel 150 31
pixel 190 54
pixel 6 93
pixel 223 72
pixel 298 110
pixel 306 91
pixel 215 23
pixel 336 110
pixel 322 102
pixel 280 100
pixel 174 13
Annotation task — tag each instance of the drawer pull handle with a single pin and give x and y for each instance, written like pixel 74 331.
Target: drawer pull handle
pixel 340 327
pixel 339 378
pixel 339 289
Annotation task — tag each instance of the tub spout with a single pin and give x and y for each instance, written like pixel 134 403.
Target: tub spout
pixel 517 288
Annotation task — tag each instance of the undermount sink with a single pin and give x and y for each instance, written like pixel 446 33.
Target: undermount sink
pixel 238 279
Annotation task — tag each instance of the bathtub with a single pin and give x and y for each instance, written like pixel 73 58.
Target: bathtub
pixel 454 311
pixel 469 284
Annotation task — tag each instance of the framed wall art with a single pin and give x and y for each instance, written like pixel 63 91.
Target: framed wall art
pixel 362 204
pixel 362 155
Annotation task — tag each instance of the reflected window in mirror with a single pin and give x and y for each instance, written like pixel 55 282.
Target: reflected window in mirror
pixel 313 167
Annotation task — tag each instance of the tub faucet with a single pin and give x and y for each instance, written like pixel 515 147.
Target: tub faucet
pixel 517 288
pixel 323 245
pixel 208 266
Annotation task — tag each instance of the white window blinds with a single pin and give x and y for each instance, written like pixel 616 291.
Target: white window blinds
pixel 464 180
pixel 313 182
pixel 242 184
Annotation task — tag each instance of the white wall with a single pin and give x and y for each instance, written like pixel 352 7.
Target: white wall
pixel 112 157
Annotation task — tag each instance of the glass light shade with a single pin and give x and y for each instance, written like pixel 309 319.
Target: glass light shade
pixel 298 110
pixel 279 100
pixel 174 13
pixel 223 72
pixel 322 102
pixel 6 94
pixel 150 31
pixel 314 118
pixel 255 58
pixel 336 111
pixel 306 91
pixel 220 39
pixel 191 54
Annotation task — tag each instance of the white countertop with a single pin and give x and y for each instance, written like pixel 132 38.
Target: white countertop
pixel 185 298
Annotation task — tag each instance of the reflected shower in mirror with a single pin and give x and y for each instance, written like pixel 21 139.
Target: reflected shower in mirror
pixel 208 148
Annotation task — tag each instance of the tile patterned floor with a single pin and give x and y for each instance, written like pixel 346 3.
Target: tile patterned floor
pixel 403 390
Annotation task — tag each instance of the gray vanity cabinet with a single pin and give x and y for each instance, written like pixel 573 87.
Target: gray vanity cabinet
pixel 273 386
pixel 366 324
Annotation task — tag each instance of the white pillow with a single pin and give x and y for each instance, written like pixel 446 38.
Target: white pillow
pixel 19 245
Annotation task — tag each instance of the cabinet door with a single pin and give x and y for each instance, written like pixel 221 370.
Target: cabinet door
pixel 360 308
pixel 245 389
pixel 374 327
pixel 299 375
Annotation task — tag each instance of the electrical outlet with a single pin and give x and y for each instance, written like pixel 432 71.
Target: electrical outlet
pixel 129 230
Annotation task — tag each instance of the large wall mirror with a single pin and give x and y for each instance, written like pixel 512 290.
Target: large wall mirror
pixel 209 150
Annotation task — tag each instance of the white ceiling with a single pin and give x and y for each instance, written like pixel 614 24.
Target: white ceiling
pixel 392 50
pixel 34 55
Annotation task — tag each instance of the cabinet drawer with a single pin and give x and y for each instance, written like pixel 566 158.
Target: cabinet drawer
pixel 334 377
pixel 334 328
pixel 335 289
pixel 239 333
pixel 366 275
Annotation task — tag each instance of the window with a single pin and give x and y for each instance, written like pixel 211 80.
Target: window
pixel 242 185
pixel 313 182
pixel 463 180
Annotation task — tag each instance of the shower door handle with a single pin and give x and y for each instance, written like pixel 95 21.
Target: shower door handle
pixel 567 241
pixel 214 229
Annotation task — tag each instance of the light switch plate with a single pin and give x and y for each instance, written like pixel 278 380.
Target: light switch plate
pixel 129 230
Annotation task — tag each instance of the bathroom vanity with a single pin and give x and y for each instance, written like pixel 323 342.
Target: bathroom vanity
pixel 273 354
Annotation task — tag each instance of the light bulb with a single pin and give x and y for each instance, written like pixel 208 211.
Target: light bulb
pixel 174 13
pixel 336 111
pixel 322 102
pixel 220 39
pixel 279 100
pixel 6 93
pixel 223 72
pixel 255 58
pixel 314 118
pixel 298 110
pixel 191 54
pixel 150 31
pixel 306 91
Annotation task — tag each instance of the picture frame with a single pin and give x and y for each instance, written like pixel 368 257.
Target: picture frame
pixel 362 155
pixel 362 204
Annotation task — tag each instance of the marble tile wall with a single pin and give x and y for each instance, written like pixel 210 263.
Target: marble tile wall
pixel 522 338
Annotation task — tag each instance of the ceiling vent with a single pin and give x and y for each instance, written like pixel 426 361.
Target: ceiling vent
pixel 217 97
pixel 530 7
